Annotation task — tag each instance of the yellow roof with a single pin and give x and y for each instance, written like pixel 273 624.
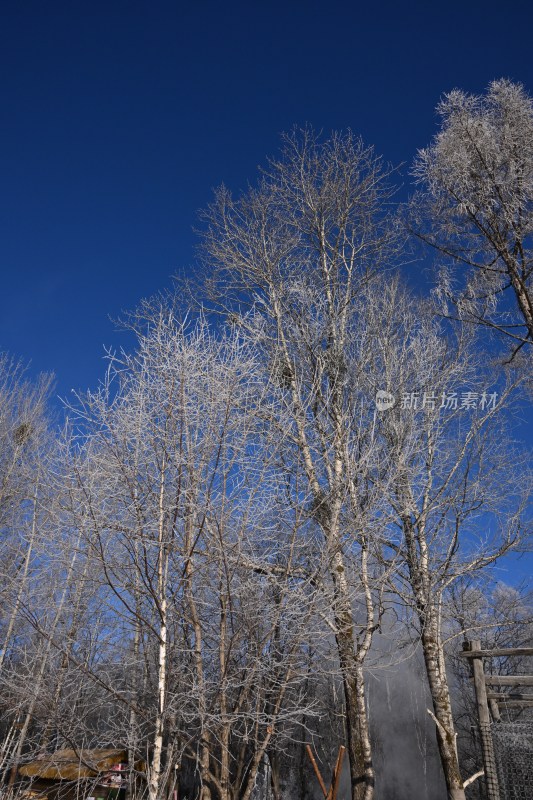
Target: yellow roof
pixel 73 764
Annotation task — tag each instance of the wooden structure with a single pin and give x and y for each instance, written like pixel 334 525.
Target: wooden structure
pixel 331 793
pixel 83 773
pixel 488 701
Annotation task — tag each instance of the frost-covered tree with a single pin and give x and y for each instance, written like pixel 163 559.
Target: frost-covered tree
pixel 289 262
pixel 175 495
pixel 25 444
pixel 458 490
pixel 476 207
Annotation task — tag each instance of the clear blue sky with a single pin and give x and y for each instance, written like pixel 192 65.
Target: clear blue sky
pixel 118 118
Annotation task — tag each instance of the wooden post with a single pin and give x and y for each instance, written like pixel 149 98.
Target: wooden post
pixel 317 771
pixel 335 781
pixel 331 793
pixel 494 710
pixel 487 745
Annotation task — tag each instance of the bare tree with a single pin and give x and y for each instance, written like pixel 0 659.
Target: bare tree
pixel 477 207
pixel 24 440
pixel 459 489
pixel 25 444
pixel 287 263
pixel 179 507
pixel 23 426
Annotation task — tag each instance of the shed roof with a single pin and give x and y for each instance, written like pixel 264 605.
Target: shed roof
pixel 71 765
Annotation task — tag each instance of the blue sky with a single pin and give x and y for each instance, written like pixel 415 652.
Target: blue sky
pixel 118 118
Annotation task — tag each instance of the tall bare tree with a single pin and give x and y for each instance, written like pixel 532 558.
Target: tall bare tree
pixel 288 262
pixel 459 490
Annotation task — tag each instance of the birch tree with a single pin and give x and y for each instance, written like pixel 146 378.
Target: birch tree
pixel 180 510
pixel 287 262
pixel 458 488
